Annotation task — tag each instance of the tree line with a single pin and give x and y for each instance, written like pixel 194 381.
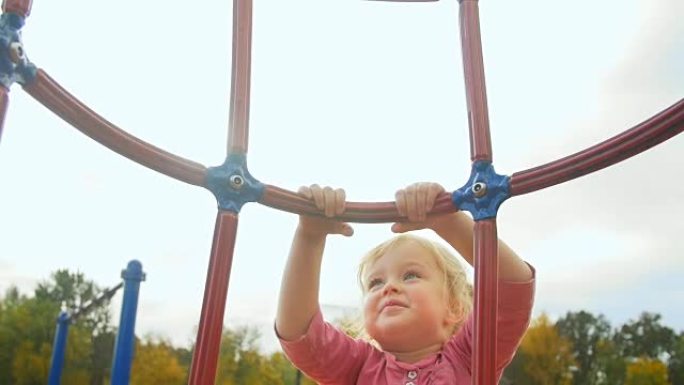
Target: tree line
pixel 578 349
pixel 28 324
pixel 584 349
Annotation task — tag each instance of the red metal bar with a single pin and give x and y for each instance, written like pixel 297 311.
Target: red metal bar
pixel 4 103
pixel 476 91
pixel 649 133
pixel 53 96
pixel 20 7
pixel 361 212
pixel 486 302
pixel 238 129
pixel 205 355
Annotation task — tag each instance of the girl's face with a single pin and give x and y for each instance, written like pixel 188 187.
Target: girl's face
pixel 405 305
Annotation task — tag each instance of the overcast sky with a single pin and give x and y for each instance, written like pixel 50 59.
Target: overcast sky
pixel 368 96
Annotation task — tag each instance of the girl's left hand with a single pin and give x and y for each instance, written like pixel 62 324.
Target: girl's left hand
pixel 414 202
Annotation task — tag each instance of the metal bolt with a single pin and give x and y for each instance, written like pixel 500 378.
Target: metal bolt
pixel 236 181
pixel 479 189
pixel 16 51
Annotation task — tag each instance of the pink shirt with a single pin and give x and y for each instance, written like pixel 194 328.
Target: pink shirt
pixel 330 357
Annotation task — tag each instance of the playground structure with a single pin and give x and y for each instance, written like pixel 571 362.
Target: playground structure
pixel 233 185
pixel 125 337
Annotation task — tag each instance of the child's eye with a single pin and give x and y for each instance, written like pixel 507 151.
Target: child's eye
pixel 411 275
pixel 375 282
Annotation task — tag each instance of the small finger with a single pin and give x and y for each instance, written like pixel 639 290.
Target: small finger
pixel 403 227
pixel 329 199
pixel 398 228
pixel 305 192
pixel 433 192
pixel 411 209
pixel 400 200
pixel 317 193
pixel 422 202
pixel 346 230
pixel 340 201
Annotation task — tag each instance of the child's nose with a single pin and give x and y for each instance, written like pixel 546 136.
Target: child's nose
pixel 390 288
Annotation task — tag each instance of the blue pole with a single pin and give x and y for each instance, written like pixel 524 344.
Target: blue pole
pixel 125 339
pixel 58 349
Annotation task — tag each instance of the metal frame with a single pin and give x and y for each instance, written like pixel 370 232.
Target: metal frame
pixel 233 185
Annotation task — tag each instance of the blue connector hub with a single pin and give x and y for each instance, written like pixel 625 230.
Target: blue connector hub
pixel 484 192
pixel 232 184
pixel 14 66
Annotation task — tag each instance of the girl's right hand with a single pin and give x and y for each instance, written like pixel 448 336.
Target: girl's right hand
pixel 331 202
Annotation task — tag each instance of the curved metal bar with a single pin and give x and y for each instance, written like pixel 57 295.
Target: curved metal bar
pixel 49 93
pixel 20 7
pixel 205 355
pixel 4 103
pixel 238 129
pixel 486 302
pixel 476 91
pixel 359 212
pixel 649 133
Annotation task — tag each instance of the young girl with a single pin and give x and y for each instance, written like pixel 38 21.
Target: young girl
pixel 416 300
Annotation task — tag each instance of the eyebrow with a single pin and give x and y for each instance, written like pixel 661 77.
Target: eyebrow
pixel 411 264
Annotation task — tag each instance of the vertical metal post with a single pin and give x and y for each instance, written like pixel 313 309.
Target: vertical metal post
pixel 486 302
pixel 125 339
pixel 205 356
pixel 476 91
pixel 238 128
pixel 4 102
pixel 59 348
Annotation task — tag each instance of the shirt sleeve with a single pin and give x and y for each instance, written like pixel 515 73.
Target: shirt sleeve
pixel 326 354
pixel 513 318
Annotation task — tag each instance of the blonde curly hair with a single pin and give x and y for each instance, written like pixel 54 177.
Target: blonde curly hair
pixel 458 290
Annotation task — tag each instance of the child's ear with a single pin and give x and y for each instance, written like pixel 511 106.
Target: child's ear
pixel 453 318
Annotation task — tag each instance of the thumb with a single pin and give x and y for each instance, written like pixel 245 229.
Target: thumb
pixel 344 229
pixel 402 227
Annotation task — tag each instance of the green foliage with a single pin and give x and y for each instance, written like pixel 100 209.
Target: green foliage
pixel 585 332
pixel 675 364
pixel 27 329
pixel 579 349
pixel 612 365
pixel 240 361
pixel 515 372
pixel 645 337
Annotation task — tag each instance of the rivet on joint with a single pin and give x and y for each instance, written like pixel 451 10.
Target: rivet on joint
pixel 479 189
pixel 16 52
pixel 236 181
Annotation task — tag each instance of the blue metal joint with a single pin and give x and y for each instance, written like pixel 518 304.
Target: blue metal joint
pixel 232 184
pixel 14 65
pixel 484 192
pixel 64 317
pixel 133 272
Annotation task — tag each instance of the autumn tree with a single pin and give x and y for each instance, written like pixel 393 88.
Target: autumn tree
pixel 156 363
pixel 241 363
pixel 586 333
pixel 646 371
pixel 27 328
pixel 548 355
